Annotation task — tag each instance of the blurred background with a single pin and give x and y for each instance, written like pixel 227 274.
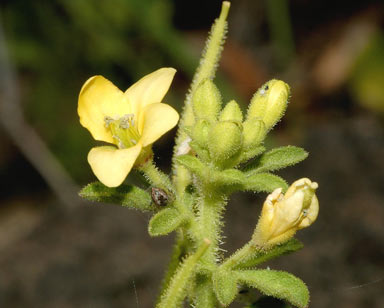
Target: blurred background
pixel 59 251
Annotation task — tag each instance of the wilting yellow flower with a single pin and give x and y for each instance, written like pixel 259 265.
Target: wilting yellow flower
pixel 131 120
pixel 282 215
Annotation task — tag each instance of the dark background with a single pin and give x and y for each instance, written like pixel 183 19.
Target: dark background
pixel 57 251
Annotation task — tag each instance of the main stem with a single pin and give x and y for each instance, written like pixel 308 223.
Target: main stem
pixel 206 69
pixel 209 224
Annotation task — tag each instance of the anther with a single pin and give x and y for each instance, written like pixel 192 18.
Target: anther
pixel 108 121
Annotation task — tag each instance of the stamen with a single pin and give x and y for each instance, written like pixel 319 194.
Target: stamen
pixel 127 120
pixel 121 145
pixel 108 121
pixel 124 124
pixel 123 131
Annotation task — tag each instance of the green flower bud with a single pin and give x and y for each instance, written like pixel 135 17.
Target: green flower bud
pixel 269 102
pixel 225 140
pixel 201 133
pixel 206 101
pixel 253 133
pixel 231 112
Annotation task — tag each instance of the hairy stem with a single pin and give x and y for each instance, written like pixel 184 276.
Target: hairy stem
pixel 175 292
pixel 210 209
pixel 156 177
pixel 206 69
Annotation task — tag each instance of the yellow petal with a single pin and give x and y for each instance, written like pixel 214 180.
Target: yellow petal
pixel 111 165
pixel 150 89
pixel 100 98
pixel 155 120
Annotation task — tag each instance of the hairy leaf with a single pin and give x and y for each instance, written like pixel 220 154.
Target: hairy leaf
pixel 278 284
pixel 277 159
pixel 266 182
pixel 125 195
pixel 165 222
pixel 228 177
pixel 192 163
pixel 225 286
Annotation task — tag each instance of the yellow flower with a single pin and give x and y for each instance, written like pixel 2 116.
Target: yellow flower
pixel 282 216
pixel 130 120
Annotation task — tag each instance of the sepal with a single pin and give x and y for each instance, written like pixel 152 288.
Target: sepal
pixel 206 100
pixel 225 141
pixel 125 195
pixel 200 133
pixel 254 133
pixel 231 112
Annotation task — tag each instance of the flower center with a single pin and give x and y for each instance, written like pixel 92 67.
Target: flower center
pixel 123 130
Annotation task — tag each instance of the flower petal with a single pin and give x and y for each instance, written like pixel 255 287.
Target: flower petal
pixel 111 165
pixel 150 89
pixel 155 120
pixel 100 98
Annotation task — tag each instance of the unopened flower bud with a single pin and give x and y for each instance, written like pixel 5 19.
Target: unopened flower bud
pixel 201 132
pixel 269 102
pixel 206 101
pixel 225 140
pixel 282 215
pixel 231 112
pixel 253 133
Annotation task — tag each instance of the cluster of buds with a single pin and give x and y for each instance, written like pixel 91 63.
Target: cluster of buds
pixel 283 215
pixel 222 135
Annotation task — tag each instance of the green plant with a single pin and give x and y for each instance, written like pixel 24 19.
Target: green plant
pixel 218 151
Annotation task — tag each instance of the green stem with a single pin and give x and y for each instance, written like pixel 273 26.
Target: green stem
pixel 242 254
pixel 209 223
pixel 206 69
pixel 156 177
pixel 179 251
pixel 175 292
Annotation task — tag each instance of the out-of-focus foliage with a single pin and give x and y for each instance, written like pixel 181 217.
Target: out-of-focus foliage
pixel 367 78
pixel 57 45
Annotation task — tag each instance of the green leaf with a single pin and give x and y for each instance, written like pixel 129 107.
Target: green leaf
pixel 278 158
pixel 278 284
pixel 225 286
pixel 262 256
pixel 246 155
pixel 125 195
pixel 228 177
pixel 192 163
pixel 164 222
pixel 266 182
